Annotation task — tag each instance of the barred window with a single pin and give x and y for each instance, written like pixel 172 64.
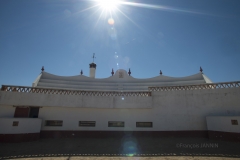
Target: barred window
pixel 54 123
pixel 234 122
pixel 115 124
pixel 15 123
pixel 144 124
pixel 87 123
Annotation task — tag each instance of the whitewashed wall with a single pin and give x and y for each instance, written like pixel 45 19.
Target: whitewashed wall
pixel 25 125
pixel 223 123
pixel 7 111
pixel 169 110
pixel 52 100
pixel 72 116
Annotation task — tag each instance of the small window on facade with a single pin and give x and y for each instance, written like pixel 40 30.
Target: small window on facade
pixel 87 123
pixel 54 123
pixel 115 124
pixel 15 123
pixel 144 124
pixel 234 122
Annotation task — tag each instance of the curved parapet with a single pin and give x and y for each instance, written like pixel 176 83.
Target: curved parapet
pixel 120 81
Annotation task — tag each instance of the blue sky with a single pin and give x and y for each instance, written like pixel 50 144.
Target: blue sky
pixel 176 36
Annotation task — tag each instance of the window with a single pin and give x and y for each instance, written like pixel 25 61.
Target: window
pixel 87 123
pixel 144 124
pixel 115 124
pixel 234 122
pixel 15 123
pixel 54 123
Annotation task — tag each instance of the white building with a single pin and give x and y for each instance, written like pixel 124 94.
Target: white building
pixel 57 106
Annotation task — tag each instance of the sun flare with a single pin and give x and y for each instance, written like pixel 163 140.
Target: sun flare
pixel 108 5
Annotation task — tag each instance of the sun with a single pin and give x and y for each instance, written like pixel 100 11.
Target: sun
pixel 108 5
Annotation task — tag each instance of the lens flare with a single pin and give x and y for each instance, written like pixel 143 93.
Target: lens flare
pixel 111 21
pixel 130 147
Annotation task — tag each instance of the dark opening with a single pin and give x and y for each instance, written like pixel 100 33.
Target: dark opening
pixel 33 112
pixel 87 123
pixel 25 112
pixel 21 112
pixel 53 123
pixel 144 124
pixel 234 122
pixel 115 124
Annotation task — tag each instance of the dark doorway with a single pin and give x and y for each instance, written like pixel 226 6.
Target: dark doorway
pixel 21 112
pixel 25 112
pixel 33 112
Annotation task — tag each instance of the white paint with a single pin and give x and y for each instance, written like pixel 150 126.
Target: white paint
pixel 120 81
pixel 207 80
pixel 223 123
pixel 34 84
pixel 6 111
pixel 92 72
pixel 52 100
pixel 72 116
pixel 168 110
pixel 25 125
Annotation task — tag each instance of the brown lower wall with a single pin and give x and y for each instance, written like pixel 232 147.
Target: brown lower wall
pixel 102 134
pixel 14 138
pixel 228 136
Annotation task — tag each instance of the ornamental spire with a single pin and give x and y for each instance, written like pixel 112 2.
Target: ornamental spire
pixel 42 68
pixel 129 72
pixel 201 69
pixel 160 72
pixel 112 72
pixel 81 72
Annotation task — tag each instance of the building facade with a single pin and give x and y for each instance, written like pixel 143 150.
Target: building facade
pixel 57 106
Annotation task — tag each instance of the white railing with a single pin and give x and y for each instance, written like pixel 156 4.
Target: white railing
pixel 72 92
pixel 197 86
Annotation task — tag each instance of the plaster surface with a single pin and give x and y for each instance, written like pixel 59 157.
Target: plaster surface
pixel 167 110
pixel 25 125
pixel 223 123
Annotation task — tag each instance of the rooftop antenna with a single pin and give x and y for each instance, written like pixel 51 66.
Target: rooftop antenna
pixel 93 57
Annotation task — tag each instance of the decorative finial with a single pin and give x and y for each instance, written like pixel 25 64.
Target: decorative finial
pixel 129 72
pixel 81 72
pixel 201 69
pixel 160 72
pixel 42 68
pixel 112 72
pixel 93 57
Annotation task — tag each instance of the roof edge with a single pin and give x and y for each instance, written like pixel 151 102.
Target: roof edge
pixel 35 83
pixel 207 80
